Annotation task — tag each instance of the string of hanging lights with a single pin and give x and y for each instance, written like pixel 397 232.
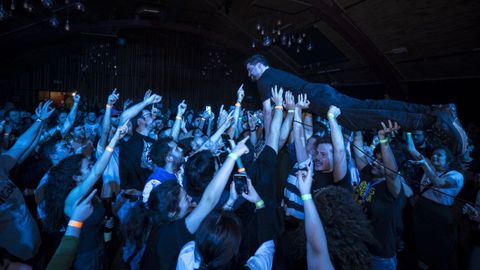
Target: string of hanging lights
pixel 275 34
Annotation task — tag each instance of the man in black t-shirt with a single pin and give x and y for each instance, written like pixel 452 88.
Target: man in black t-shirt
pixel 356 114
pixel 380 194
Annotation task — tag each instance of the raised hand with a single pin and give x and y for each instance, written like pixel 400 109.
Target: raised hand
pixel 277 95
pixel 392 128
pixel 305 180
pixel 152 99
pixel 182 107
pixel 44 111
pixel 82 209
pixel 228 120
pixel 147 95
pixel 241 148
pixel 289 101
pixel 76 97
pixel 127 103
pixel 233 193
pixel 333 111
pixel 240 94
pixel 122 131
pixel 113 97
pixel 302 101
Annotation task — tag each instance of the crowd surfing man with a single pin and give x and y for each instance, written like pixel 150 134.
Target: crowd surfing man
pixel 357 114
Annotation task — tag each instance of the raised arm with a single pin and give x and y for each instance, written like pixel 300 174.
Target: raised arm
pixel 218 134
pixel 95 172
pixel 148 99
pixel 437 181
pixel 287 122
pixel 252 125
pixel 339 154
pixel 317 248
pixel 360 158
pixel 182 107
pixel 213 191
pixel 274 134
pixel 394 183
pixel 298 130
pixel 112 98
pixel 411 148
pixel 27 138
pixel 267 116
pixel 236 114
pixel 71 115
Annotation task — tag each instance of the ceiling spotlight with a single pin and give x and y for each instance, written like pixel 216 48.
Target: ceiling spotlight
pixel 47 3
pixel 258 26
pixel 253 44
pixel 298 49
pixel 12 5
pixel 53 22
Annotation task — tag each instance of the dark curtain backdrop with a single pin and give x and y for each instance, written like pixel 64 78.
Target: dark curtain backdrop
pixel 175 65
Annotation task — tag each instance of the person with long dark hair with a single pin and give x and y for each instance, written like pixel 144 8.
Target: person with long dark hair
pixel 433 221
pixel 176 218
pixel 70 180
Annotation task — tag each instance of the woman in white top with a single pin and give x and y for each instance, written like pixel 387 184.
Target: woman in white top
pixel 433 222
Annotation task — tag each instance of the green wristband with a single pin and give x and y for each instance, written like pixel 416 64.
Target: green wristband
pixel 259 204
pixel 306 197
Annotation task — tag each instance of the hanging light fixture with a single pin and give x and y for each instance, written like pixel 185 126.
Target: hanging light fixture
pixel 53 22
pixel 47 3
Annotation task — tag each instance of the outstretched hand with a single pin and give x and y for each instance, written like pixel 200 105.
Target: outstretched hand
pixel 305 180
pixel 82 209
pixel 277 95
pixel 303 102
pixel 241 148
pixel 334 111
pixel 392 128
pixel 122 131
pixel 113 97
pixel 76 97
pixel 44 111
pixel 240 94
pixel 289 101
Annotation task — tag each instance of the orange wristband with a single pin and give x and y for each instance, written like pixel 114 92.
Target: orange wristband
pixel 279 107
pixel 76 224
pixel 238 104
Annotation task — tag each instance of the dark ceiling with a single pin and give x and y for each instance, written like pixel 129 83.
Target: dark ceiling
pixel 353 41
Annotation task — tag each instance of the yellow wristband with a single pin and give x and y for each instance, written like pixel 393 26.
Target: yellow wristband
pixel 306 197
pixel 330 115
pixel 233 156
pixel 109 149
pixel 259 204
pixel 241 170
pixel 76 224
pixel 203 119
pixel 109 106
pixel 279 107
pixel 383 141
pixel 238 104
pixel 178 117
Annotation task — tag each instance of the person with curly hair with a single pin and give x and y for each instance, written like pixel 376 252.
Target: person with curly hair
pixel 348 232
pixel 70 180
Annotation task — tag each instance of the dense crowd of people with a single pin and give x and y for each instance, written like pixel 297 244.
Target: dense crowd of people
pixel 135 186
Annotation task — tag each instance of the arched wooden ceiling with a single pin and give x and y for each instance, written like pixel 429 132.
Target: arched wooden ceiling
pixel 386 41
